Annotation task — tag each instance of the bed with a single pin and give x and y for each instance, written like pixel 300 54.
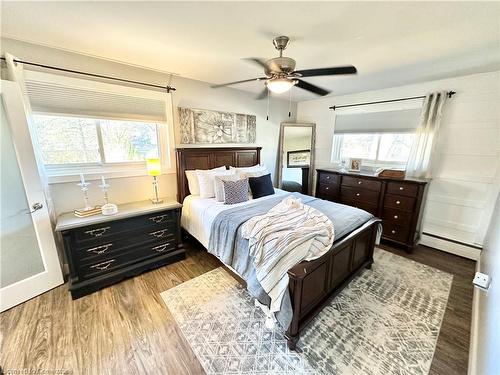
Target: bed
pixel 312 283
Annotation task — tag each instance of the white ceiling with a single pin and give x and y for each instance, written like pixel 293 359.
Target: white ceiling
pixel 391 43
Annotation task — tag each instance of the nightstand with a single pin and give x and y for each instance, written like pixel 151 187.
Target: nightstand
pixel 103 250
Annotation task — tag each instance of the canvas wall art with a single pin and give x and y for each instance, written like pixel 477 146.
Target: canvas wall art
pixel 214 127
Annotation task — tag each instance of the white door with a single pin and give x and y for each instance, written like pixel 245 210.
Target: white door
pixel 29 264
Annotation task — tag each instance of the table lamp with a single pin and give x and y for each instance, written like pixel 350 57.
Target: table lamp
pixel 154 169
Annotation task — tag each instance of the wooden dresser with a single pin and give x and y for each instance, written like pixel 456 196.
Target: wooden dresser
pixel 102 250
pixel 397 202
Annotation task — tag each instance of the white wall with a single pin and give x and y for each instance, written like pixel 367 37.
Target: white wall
pixel 190 93
pixel 461 195
pixel 485 335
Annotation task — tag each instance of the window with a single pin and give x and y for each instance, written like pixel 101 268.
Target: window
pixel 70 145
pixel 374 148
pixel 97 128
pixel 73 140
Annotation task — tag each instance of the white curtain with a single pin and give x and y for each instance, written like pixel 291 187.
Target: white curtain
pixel 419 161
pixel 15 72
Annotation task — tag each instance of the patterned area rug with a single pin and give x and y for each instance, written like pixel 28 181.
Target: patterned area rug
pixel 386 321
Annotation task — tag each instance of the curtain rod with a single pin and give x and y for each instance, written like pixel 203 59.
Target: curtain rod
pixel 449 93
pixel 168 88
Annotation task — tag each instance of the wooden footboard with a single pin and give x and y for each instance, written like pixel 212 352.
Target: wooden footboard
pixel 313 284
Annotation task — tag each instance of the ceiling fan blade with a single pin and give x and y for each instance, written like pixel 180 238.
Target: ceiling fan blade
pixel 258 61
pixel 235 82
pixel 349 69
pixel 312 88
pixel 262 94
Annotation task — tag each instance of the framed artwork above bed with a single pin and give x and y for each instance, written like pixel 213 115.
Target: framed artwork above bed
pixel 202 126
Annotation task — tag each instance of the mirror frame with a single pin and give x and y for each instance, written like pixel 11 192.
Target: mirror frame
pixel 283 126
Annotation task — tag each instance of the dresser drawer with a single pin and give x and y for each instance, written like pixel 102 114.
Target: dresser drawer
pixel 364 183
pixel 327 179
pixel 399 202
pixel 402 188
pixel 395 232
pixel 110 229
pixel 327 192
pixel 97 267
pixel 397 216
pixel 359 195
pixel 129 240
pixel 369 207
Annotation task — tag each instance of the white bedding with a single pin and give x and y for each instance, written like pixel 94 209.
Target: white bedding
pixel 199 213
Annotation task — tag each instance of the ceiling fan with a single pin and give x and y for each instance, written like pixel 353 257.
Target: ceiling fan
pixel 281 76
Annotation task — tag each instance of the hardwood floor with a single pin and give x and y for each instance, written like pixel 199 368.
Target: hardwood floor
pixel 126 329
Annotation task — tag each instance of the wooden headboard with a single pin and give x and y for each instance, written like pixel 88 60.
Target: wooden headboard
pixel 208 158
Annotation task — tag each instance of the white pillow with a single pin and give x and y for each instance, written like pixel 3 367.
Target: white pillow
pixel 243 170
pixel 219 185
pixel 248 169
pixel 193 184
pixel 206 181
pixel 257 173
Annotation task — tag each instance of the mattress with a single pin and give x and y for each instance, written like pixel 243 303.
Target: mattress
pixel 198 214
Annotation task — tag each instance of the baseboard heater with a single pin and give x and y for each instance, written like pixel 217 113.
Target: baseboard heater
pixel 451 246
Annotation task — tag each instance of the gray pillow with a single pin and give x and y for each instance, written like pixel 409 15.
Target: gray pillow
pixel 235 191
pixel 219 186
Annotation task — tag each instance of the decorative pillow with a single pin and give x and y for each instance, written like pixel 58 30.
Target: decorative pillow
pixel 194 186
pixel 206 181
pixel 261 186
pixel 219 186
pixel 235 191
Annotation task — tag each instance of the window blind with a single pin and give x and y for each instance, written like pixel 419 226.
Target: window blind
pixel 50 93
pixel 377 122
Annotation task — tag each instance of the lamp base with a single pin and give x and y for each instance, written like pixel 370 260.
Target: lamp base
pixel 156 201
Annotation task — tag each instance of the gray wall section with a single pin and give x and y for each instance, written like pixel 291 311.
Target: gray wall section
pixel 487 346
pixel 190 93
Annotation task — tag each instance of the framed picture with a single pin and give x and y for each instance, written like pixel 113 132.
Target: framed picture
pixel 354 165
pixel 298 159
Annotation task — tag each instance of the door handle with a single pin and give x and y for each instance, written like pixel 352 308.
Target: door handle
pixel 36 206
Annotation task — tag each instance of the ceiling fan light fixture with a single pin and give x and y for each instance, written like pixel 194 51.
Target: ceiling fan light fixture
pixel 280 85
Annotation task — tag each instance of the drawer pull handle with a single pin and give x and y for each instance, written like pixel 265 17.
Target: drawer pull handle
pixel 360 182
pixel 395 216
pixel 393 231
pixel 158 233
pixel 158 219
pixel 104 265
pixel 160 248
pixel 398 202
pixel 100 249
pixel 97 232
pixel 401 188
pixel 357 194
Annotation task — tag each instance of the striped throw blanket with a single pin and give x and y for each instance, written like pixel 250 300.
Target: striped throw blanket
pixel 287 234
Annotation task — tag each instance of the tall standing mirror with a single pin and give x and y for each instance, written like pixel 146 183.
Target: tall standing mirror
pixel 296 157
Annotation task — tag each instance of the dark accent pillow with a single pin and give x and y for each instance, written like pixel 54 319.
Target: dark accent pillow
pixel 235 191
pixel 261 186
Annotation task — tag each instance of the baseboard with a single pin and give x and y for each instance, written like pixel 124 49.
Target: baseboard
pixel 452 247
pixel 474 328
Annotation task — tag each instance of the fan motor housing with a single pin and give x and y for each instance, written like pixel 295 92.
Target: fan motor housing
pixel 280 66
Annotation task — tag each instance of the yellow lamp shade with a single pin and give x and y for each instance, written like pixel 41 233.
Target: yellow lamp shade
pixel 154 167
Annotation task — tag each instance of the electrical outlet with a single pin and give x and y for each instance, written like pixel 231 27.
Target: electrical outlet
pixel 481 280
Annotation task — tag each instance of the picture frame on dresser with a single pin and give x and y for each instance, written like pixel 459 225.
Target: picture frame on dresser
pixel 103 250
pixel 398 202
